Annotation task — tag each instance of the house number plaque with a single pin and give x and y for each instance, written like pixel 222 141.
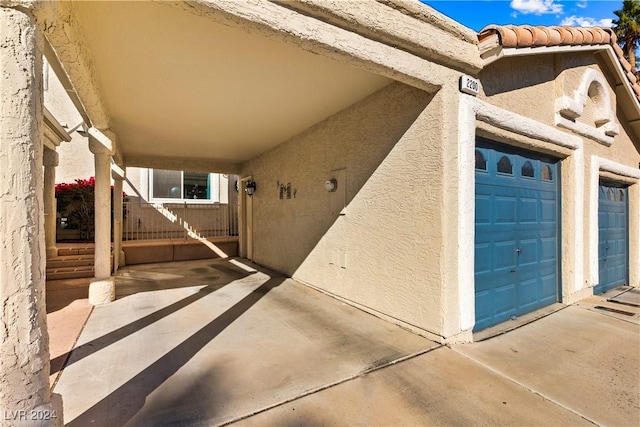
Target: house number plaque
pixel 469 85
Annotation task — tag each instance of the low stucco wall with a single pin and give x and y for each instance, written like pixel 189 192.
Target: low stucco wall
pixel 168 250
pixel 384 251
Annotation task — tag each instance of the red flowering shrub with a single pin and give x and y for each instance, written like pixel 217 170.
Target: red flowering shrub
pixel 75 206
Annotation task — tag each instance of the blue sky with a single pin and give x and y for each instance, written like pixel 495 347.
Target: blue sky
pixel 479 13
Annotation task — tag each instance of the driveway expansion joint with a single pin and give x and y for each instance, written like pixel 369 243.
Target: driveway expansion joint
pixel 526 387
pixel 332 384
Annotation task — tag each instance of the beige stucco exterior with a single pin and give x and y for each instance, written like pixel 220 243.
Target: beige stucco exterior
pixel 383 250
pixel 349 254
pixel 581 165
pixel 302 94
pixel 24 353
pixel 397 247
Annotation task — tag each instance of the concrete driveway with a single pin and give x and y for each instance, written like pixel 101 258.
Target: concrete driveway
pixel 217 342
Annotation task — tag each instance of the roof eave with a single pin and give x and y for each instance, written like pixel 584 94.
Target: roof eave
pixel 54 126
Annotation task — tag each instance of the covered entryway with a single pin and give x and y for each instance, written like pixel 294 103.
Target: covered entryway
pixel 516 233
pixel 613 237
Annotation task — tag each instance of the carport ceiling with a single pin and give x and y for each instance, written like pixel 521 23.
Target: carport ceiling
pixel 177 85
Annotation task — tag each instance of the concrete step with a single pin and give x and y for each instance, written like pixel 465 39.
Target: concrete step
pixel 70 272
pixel 76 250
pixel 70 261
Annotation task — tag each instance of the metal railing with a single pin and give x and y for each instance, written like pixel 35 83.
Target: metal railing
pixel 149 221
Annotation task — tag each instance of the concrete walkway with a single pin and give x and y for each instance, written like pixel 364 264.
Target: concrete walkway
pixel 68 309
pixel 217 342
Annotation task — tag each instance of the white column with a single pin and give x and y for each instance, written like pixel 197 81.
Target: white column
pixel 50 162
pixel 102 288
pixel 118 175
pixel 24 353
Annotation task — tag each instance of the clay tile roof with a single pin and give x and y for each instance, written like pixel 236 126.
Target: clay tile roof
pixel 578 36
pixel 554 35
pixel 526 36
pixel 567 36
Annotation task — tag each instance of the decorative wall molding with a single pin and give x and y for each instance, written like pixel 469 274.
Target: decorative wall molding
pixel 568 109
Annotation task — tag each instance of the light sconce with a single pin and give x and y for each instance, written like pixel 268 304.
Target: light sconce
pixel 250 188
pixel 331 185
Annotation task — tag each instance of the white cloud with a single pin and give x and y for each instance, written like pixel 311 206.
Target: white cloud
pixel 537 7
pixel 585 21
pixel 582 4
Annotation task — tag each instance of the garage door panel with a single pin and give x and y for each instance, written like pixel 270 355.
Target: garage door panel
pixel 529 210
pixel 505 298
pixel 483 209
pixel 527 295
pixel 620 273
pixel 529 252
pixel 505 255
pixel 549 249
pixel 502 284
pixel 505 209
pixel 548 288
pixel 549 211
pixel 516 236
pixel 482 261
pixel 484 287
pixel 613 235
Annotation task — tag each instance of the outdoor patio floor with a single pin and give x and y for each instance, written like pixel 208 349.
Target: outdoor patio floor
pixel 215 342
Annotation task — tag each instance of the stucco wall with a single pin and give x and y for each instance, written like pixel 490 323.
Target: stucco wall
pixel 511 84
pixel 76 161
pixel 384 252
pixel 530 85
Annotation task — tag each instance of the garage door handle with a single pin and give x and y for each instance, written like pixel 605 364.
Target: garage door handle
pixel 513 270
pixel 519 251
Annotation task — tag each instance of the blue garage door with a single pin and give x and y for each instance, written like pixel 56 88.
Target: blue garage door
pixel 516 234
pixel 613 237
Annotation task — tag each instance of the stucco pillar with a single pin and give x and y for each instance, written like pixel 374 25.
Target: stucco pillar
pixel 102 287
pixel 24 354
pixel 118 175
pixel 50 161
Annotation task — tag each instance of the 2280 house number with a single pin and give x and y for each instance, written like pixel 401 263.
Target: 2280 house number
pixel 469 85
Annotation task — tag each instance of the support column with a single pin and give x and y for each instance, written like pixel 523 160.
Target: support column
pixel 50 162
pixel 102 288
pixel 24 353
pixel 118 176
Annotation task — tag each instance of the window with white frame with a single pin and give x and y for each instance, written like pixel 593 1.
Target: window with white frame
pixel 183 186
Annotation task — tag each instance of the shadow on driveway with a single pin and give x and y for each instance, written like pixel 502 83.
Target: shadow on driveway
pixel 123 403
pixel 202 354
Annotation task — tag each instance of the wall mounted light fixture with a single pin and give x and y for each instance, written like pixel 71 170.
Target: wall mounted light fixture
pixel 331 185
pixel 251 187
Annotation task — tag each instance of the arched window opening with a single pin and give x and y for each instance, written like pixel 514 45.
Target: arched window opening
pixel 527 170
pixel 504 165
pixel 596 92
pixel 481 163
pixel 546 173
